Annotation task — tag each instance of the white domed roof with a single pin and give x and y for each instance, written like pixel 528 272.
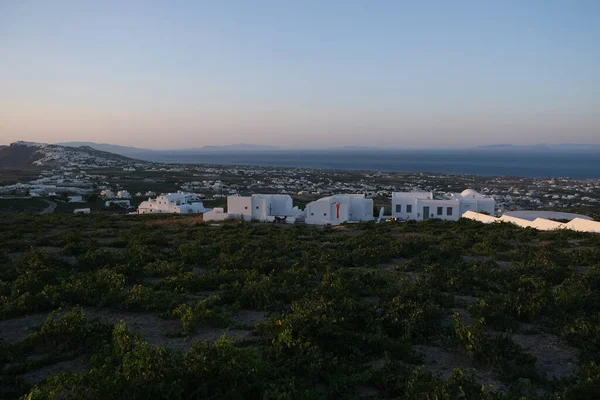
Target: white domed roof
pixel 470 193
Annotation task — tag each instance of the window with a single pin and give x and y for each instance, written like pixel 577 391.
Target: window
pixel 409 208
pixel 312 214
pixel 449 211
pixel 257 207
pixel 245 208
pixel 324 214
pixel 440 210
pixel 398 208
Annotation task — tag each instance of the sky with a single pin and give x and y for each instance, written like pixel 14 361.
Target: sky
pixel 300 74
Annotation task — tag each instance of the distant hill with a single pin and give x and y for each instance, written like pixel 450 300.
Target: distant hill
pixel 19 155
pixel 236 148
pixel 29 154
pixel 111 148
pixel 135 151
pixel 542 147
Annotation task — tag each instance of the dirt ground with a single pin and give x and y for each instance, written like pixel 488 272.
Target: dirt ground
pixel 76 365
pixel 13 330
pixel 555 358
pixel 441 362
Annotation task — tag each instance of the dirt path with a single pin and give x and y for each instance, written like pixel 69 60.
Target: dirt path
pixel 50 208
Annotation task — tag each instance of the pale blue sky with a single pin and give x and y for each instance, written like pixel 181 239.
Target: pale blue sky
pixel 170 74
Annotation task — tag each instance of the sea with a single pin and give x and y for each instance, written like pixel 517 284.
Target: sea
pixel 530 164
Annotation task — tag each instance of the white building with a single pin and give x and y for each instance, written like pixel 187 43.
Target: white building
pixel 174 203
pixel 339 208
pixel 471 200
pixel 262 207
pixel 424 205
pixel 125 203
pixel 107 193
pixel 75 199
pixel 81 211
pixel 123 194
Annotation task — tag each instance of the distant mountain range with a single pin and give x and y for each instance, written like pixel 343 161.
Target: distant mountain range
pixel 130 151
pixel 543 147
pixel 111 148
pixel 136 152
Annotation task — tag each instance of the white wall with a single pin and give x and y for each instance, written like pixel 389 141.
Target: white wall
pixel 532 215
pixel 318 213
pixel 145 207
pixel 194 208
pixel 523 223
pixel 433 205
pixel 486 219
pixel 260 207
pixel 546 224
pixel 282 205
pixel 350 208
pixel 216 214
pixel 360 209
pixel 487 205
pixel 239 207
pixel 417 203
pixel 583 225
pixel 402 201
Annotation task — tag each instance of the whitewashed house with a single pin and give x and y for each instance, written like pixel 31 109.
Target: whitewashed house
pixel 421 206
pixel 75 199
pixel 339 208
pixel 123 203
pixel 262 207
pixel 81 211
pixel 123 194
pixel 471 200
pixel 172 203
pixel 107 194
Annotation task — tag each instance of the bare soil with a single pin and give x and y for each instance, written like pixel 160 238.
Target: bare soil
pixel 162 332
pixel 250 317
pixel 15 329
pixel 555 358
pixel 441 362
pixel 76 365
pixel 398 262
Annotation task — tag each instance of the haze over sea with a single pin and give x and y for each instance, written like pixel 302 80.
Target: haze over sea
pixel 581 164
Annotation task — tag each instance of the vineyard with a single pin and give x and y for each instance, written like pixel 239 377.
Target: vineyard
pixel 137 307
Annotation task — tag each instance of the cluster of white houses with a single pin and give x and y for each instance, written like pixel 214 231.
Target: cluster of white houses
pixel 352 208
pixel 172 203
pixel 331 210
